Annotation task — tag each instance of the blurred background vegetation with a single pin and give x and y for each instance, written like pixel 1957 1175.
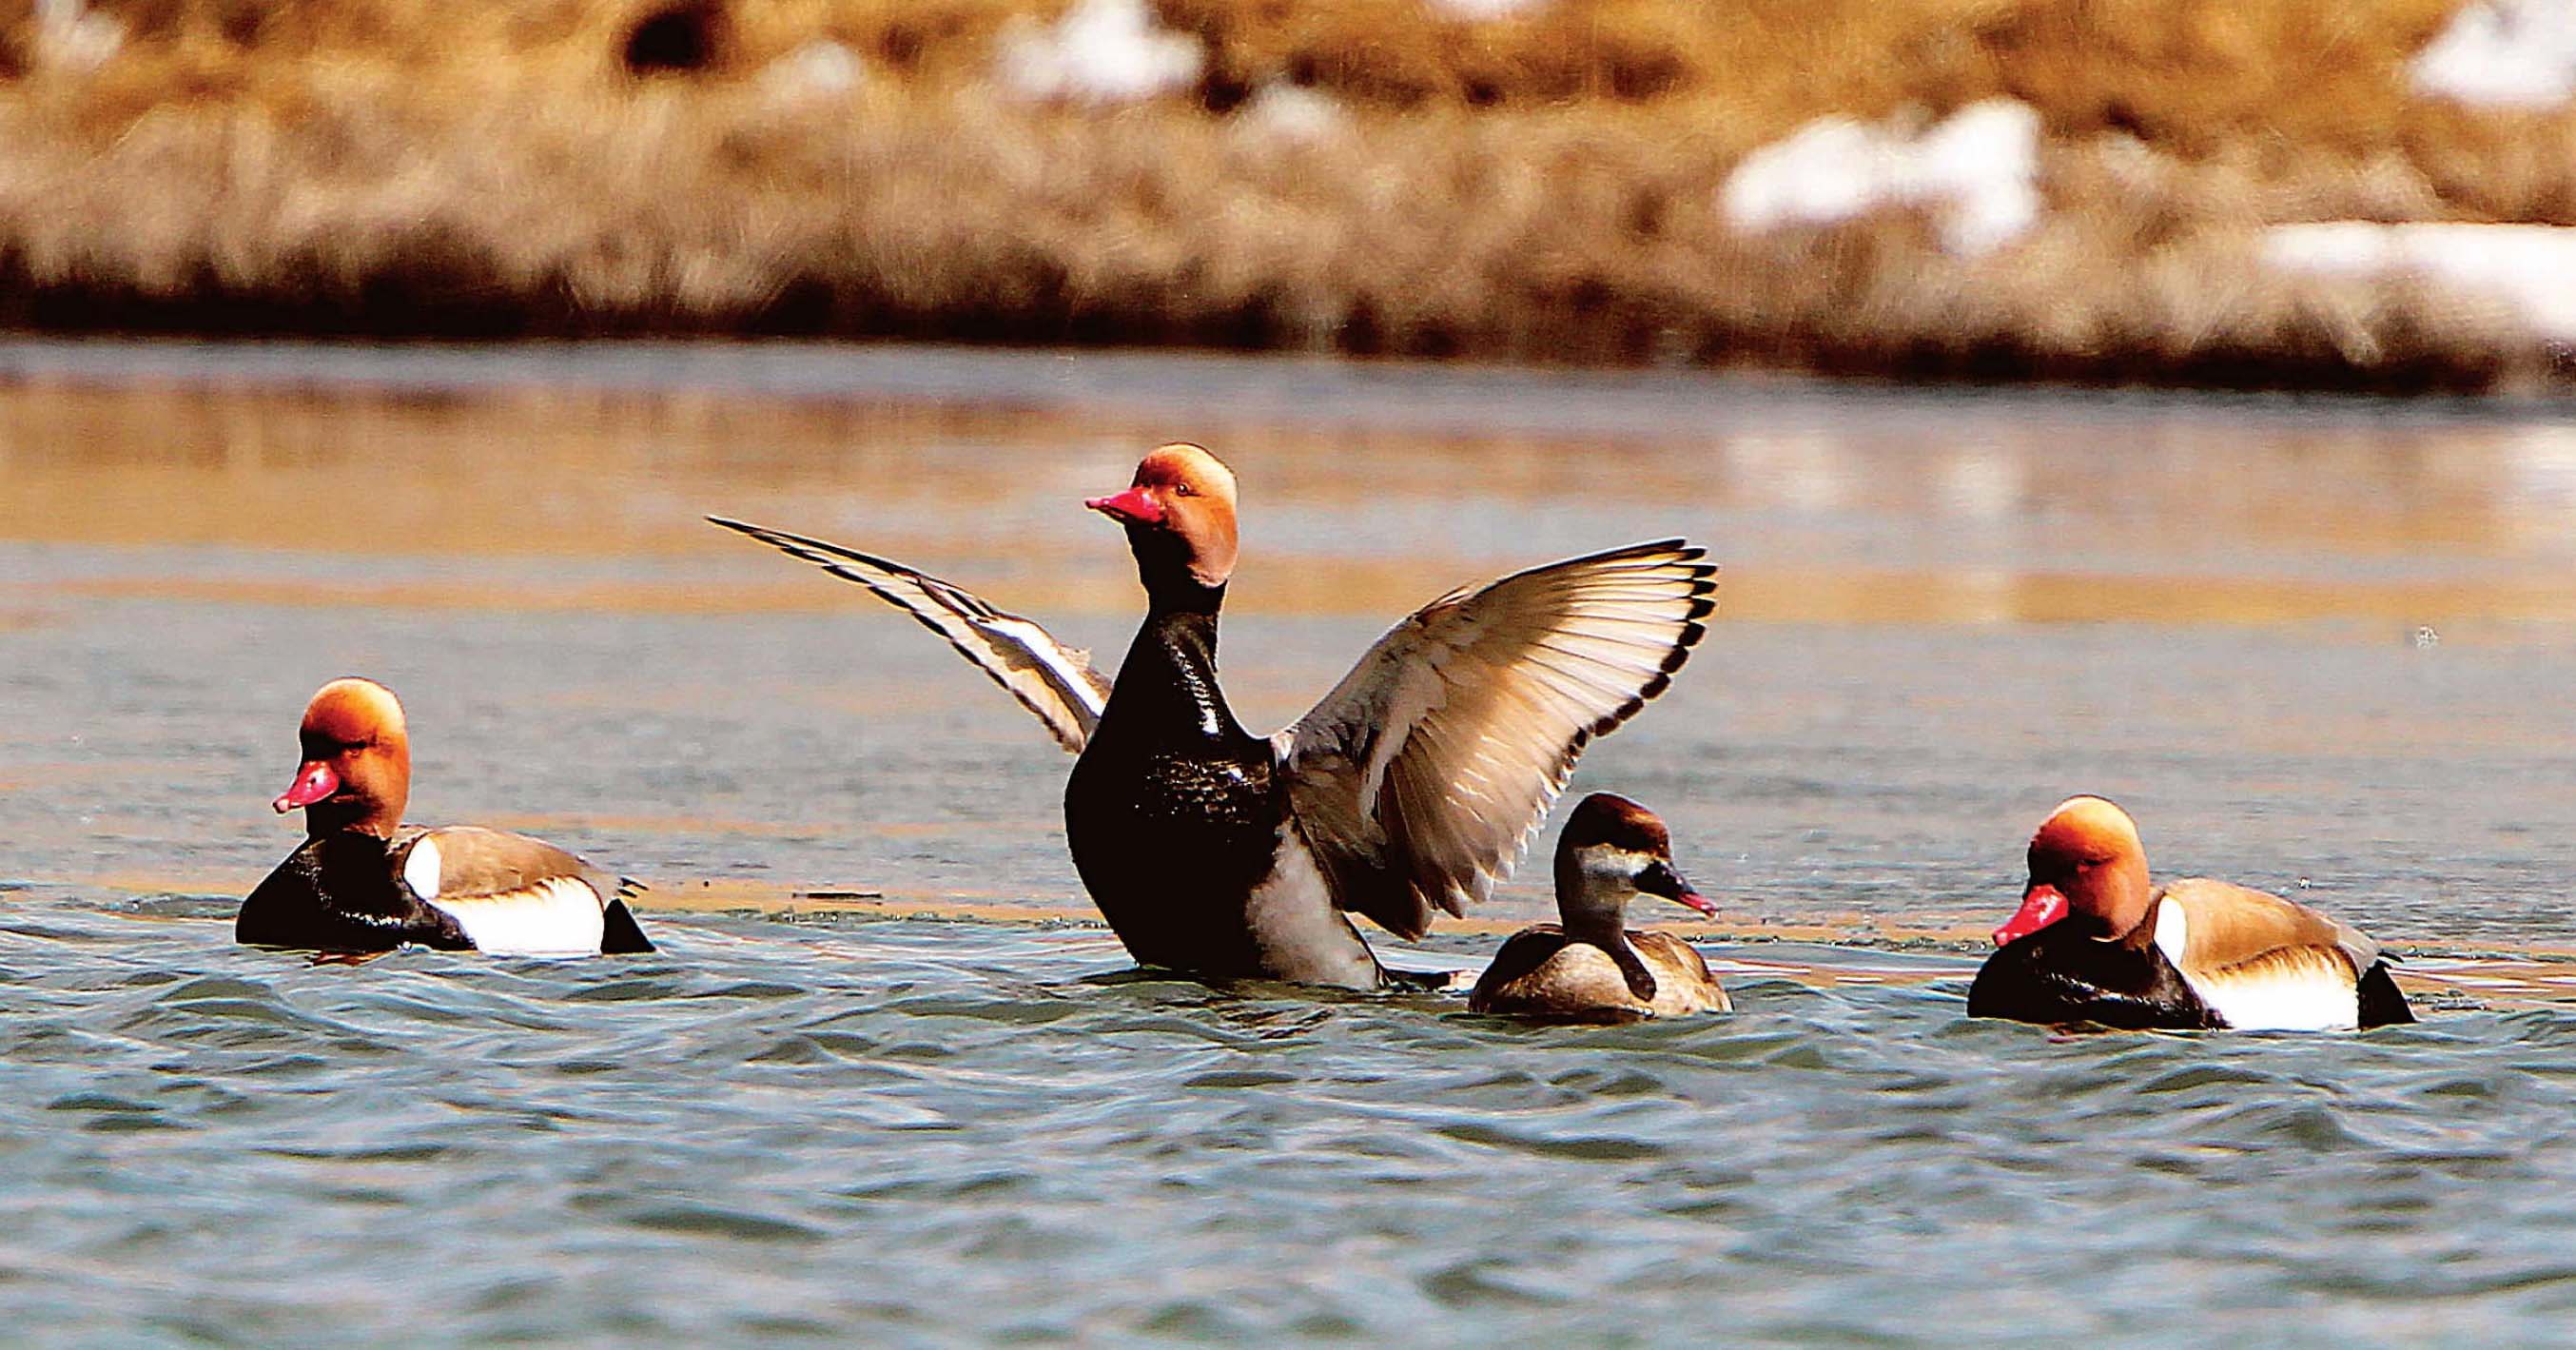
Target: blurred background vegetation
pixel 1994 189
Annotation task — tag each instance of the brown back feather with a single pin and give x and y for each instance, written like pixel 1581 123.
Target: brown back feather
pixel 2231 926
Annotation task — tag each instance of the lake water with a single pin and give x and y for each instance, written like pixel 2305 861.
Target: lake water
pixel 2319 646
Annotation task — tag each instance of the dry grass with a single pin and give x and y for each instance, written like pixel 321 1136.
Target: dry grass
pixel 1537 188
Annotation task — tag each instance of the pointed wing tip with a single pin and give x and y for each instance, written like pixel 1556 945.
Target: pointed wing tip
pixel 777 539
pixel 1679 548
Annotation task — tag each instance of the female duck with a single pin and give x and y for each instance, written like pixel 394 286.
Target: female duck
pixel 1593 967
pixel 366 882
pixel 2094 942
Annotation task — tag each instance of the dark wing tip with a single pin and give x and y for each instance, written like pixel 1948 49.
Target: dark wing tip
pixel 1682 643
pixel 1675 549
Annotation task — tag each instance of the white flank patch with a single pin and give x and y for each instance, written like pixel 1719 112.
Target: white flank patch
pixel 1977 173
pixel 560 916
pixel 1101 51
pixel 2528 271
pixel 2503 54
pixel 2311 995
pixel 2309 998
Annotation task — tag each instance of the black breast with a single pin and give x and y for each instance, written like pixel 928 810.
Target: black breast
pixel 1174 812
pixel 2061 974
pixel 340 893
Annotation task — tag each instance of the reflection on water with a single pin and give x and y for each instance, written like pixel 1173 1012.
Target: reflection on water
pixel 1825 505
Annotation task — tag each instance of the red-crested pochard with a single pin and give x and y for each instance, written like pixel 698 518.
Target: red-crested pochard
pixel 2094 942
pixel 1593 967
pixel 366 882
pixel 1413 786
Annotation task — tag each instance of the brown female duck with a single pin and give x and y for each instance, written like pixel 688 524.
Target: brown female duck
pixel 1592 966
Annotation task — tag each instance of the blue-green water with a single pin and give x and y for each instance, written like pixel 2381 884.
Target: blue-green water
pixel 906 1133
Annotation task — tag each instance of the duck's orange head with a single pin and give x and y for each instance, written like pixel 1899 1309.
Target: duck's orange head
pixel 2086 864
pixel 356 772
pixel 1179 510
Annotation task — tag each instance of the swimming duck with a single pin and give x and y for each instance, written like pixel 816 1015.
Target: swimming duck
pixel 1412 787
pixel 1593 966
pixel 366 882
pixel 2093 942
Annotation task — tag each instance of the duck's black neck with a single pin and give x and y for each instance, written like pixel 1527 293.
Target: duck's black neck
pixel 1169 677
pixel 325 820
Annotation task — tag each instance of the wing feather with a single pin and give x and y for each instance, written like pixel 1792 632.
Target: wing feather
pixel 1420 778
pixel 1049 679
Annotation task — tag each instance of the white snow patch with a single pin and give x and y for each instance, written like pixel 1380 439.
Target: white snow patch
pixel 1482 9
pixel 2503 54
pixel 1101 51
pixel 1292 112
pixel 2529 270
pixel 1977 173
pixel 68 35
pixel 819 69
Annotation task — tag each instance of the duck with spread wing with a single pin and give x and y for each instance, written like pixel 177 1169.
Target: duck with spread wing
pixel 1412 787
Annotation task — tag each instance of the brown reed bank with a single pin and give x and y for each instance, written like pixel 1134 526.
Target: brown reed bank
pixel 1363 176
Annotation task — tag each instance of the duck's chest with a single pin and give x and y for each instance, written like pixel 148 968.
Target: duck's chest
pixel 1187 803
pixel 342 892
pixel 2058 975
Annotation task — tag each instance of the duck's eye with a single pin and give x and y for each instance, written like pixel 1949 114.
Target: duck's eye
pixel 1184 490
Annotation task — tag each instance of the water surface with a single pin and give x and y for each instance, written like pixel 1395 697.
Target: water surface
pixel 2318 646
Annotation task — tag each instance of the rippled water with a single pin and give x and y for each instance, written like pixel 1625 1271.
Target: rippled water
pixel 927 1133
pixel 2322 647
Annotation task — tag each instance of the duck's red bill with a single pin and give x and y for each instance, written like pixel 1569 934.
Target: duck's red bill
pixel 2041 906
pixel 312 783
pixel 1133 507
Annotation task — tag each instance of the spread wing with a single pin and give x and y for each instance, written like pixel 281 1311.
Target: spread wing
pixel 1048 678
pixel 1419 780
